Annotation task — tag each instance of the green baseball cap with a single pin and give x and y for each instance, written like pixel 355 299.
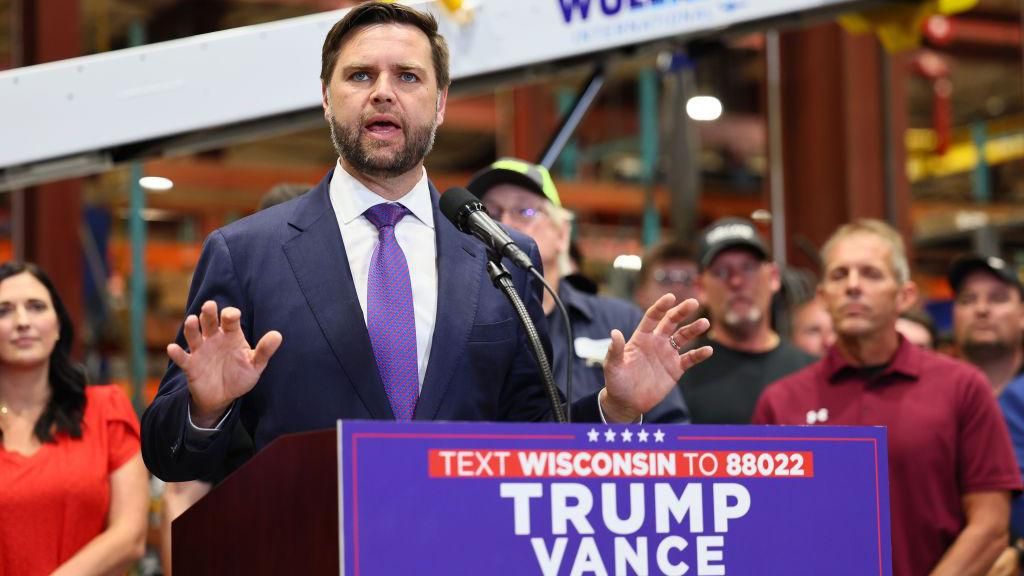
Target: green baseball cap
pixel 528 175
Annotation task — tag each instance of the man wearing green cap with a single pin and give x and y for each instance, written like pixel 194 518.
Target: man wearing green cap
pixel 522 196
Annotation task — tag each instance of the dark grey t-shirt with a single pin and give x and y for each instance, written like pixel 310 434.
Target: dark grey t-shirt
pixel 724 388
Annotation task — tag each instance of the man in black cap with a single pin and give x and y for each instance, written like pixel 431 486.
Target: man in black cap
pixel 737 281
pixel 988 317
pixel 988 326
pixel 522 195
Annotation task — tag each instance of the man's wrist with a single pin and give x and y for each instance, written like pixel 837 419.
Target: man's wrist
pixel 611 413
pixel 205 419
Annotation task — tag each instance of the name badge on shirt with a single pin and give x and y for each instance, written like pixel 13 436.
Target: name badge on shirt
pixel 593 351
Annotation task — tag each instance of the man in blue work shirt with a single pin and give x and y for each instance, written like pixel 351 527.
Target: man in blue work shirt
pixel 988 326
pixel 522 195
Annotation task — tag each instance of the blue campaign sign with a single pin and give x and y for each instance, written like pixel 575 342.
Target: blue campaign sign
pixel 582 499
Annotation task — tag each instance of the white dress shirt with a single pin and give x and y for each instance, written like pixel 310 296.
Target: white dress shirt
pixel 415 235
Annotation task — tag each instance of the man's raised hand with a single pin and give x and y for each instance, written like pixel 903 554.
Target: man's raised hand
pixel 641 372
pixel 220 366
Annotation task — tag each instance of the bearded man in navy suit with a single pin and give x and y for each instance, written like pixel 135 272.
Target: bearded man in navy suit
pixel 299 280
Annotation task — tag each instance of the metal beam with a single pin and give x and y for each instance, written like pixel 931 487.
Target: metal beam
pixel 573 118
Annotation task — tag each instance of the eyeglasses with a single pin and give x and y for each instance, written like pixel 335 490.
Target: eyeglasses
pixel 521 214
pixel 684 277
pixel 746 271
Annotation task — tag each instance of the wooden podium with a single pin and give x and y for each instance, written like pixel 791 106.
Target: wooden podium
pixel 277 514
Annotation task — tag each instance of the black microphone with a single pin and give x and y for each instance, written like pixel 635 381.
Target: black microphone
pixel 468 214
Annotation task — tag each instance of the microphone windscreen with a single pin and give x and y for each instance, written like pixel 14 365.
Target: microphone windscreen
pixel 453 203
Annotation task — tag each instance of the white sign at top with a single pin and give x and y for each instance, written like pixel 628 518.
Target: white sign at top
pixel 507 34
pixel 125 97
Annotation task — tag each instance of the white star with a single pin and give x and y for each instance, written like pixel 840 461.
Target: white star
pixel 609 436
pixel 627 436
pixel 659 436
pixel 592 435
pixel 642 435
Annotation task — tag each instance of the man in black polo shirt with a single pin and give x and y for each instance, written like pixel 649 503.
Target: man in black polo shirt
pixel 737 281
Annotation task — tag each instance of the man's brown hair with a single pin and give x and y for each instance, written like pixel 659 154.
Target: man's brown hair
pixel 670 250
pixel 376 13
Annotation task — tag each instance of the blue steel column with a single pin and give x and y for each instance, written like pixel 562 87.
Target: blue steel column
pixel 569 158
pixel 985 239
pixel 982 184
pixel 648 110
pixel 137 230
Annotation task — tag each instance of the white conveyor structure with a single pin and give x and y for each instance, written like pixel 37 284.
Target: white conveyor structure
pixel 83 115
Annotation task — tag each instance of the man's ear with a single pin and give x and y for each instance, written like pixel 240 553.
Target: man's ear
pixel 325 100
pixel 442 102
pixel 907 296
pixel 776 277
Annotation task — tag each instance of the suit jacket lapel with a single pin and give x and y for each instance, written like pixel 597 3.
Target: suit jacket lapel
pixel 461 262
pixel 317 257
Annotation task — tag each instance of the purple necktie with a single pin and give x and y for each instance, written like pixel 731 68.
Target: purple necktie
pixel 390 319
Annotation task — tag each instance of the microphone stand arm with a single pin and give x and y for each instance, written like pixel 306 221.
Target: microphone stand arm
pixel 503 281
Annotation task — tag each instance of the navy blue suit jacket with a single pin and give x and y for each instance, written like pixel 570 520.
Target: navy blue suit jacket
pixel 286 269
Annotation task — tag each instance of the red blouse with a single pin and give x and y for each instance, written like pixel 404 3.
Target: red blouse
pixel 54 502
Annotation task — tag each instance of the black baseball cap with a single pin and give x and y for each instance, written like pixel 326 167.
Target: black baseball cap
pixel 729 233
pixel 965 265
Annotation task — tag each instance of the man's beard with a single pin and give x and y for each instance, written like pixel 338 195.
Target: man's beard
pixel 371 157
pixel 984 352
pixel 739 326
pixel 742 322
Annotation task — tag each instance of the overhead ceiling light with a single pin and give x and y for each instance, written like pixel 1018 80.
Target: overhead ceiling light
pixel 627 262
pixel 156 183
pixel 704 108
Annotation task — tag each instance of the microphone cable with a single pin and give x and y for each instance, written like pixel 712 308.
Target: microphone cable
pixel 564 313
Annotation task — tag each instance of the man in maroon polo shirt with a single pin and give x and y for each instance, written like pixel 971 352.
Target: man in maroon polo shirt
pixel 951 464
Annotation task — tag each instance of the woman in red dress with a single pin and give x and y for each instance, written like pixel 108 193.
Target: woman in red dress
pixel 73 488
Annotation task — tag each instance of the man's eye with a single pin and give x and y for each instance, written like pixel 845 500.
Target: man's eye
pixel 360 76
pixel 408 77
